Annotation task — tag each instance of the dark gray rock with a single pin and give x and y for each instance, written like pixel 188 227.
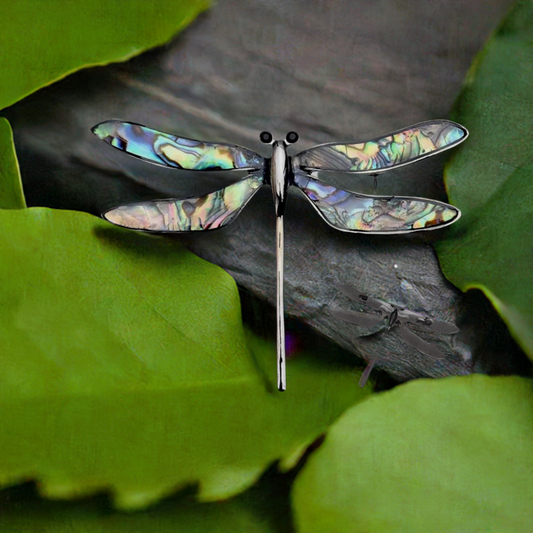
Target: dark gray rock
pixel 329 70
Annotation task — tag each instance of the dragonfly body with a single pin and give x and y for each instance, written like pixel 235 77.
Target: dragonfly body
pixel 344 210
pixel 280 178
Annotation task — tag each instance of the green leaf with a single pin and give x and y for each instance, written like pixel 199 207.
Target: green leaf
pixel 125 367
pixel 443 455
pixel 11 195
pixel 491 177
pixel 45 41
pixel 21 511
pixel 228 517
pixel 124 363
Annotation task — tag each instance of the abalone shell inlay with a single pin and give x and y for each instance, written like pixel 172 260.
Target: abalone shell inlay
pixel 177 152
pixel 197 213
pixel 355 212
pixel 382 153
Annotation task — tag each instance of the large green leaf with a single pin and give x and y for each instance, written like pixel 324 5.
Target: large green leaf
pixel 445 455
pixel 41 42
pixel 124 366
pixel 256 511
pixel 491 177
pixel 124 363
pixel 228 517
pixel 11 195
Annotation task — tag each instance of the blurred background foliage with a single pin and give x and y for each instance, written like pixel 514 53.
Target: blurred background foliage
pixel 126 371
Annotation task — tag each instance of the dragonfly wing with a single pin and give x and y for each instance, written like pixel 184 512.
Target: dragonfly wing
pixel 354 294
pixel 392 150
pixel 197 213
pixel 173 151
pixel 359 213
pixel 438 326
pixel 421 345
pixel 353 317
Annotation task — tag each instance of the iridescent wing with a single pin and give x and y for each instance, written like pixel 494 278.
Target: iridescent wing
pixel 354 212
pixel 197 213
pixel 418 344
pixel 438 326
pixel 173 151
pixel 378 155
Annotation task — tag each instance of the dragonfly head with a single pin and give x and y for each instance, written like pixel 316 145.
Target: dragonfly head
pixel 291 137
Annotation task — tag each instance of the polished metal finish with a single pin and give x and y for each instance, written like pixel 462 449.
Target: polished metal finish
pixel 279 184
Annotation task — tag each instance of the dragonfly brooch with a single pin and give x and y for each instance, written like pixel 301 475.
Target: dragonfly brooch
pixel 395 316
pixel 344 210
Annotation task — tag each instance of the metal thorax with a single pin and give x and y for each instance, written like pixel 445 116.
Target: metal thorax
pixel 343 210
pixel 278 170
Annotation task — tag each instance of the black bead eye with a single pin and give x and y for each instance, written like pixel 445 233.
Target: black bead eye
pixel 292 137
pixel 266 137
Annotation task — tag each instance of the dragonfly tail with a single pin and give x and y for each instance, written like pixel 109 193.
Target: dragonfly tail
pixel 282 381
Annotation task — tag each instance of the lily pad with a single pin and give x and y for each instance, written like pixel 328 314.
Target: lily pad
pixel 444 455
pixel 11 194
pixel 43 43
pixel 490 177
pixel 125 367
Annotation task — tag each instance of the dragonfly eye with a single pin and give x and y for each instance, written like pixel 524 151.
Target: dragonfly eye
pixel 291 137
pixel 266 137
